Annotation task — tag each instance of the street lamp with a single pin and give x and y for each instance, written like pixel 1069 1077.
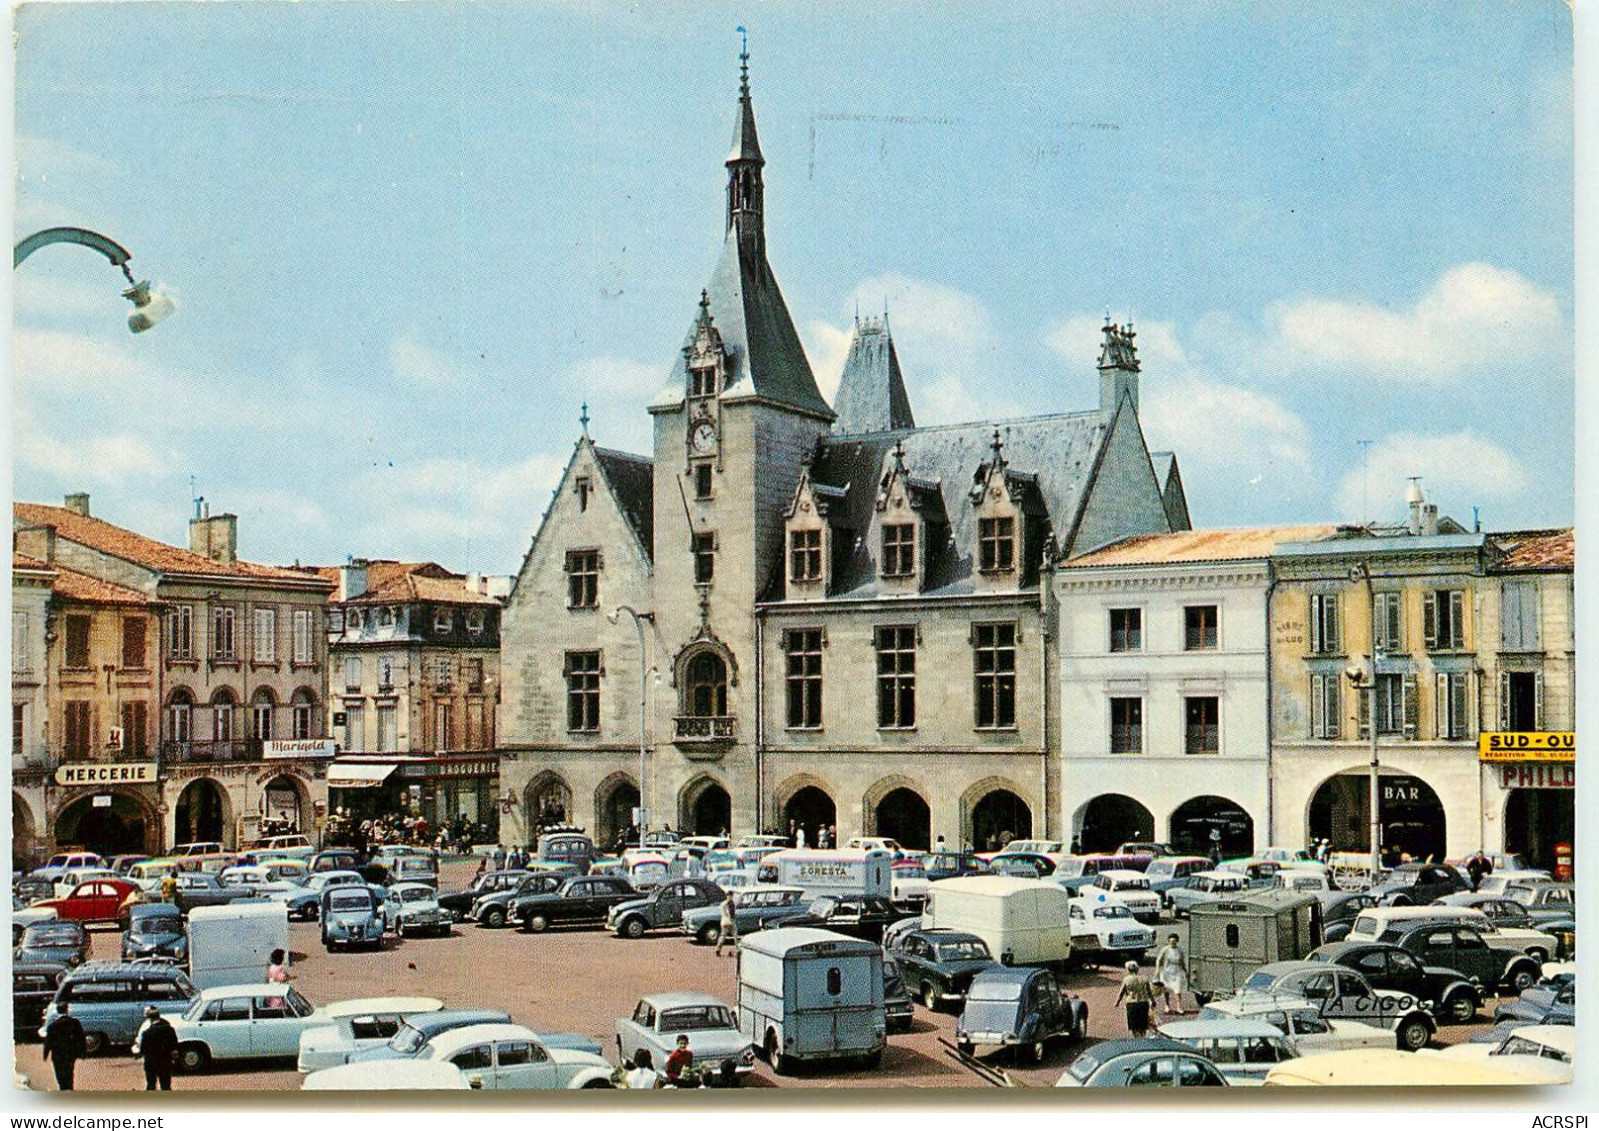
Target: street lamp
pixel 1367 682
pixel 643 685
pixel 149 307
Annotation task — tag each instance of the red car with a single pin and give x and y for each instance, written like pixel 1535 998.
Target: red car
pixel 93 901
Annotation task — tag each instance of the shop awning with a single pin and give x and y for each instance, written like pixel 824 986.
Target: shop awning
pixel 358 776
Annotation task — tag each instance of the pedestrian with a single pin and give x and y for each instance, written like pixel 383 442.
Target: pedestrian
pixel 642 1074
pixel 799 837
pixel 278 968
pixel 156 1042
pixel 1171 974
pixel 169 888
pixel 1215 846
pixel 832 835
pixel 499 857
pixel 681 1060
pixel 938 844
pixel 729 931
pixel 822 840
pixel 1076 846
pixel 1139 995
pixel 64 1045
pixel 482 865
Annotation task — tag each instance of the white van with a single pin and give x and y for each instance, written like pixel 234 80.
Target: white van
pixel 1024 922
pixel 832 871
pixel 233 944
pixel 1372 922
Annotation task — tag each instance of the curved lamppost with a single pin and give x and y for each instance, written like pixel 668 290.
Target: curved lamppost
pixel 149 307
pixel 639 620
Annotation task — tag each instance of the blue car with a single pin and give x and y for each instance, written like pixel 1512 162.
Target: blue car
pixel 1021 1008
pixel 352 915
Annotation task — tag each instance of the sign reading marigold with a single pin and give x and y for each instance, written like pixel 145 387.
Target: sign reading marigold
pixel 1527 746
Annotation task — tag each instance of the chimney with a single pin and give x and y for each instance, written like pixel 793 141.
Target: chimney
pixel 1429 519
pixel 215 536
pixel 352 578
pixel 37 542
pixel 78 503
pixel 474 583
pixel 1416 499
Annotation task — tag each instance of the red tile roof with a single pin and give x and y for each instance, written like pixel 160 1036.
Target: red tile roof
pixel 22 561
pixel 75 586
pixel 1537 549
pixel 118 542
pixel 391 582
pixel 1199 546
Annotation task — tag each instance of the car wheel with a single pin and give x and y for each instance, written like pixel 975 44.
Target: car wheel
pixel 965 1048
pixel 709 934
pixel 1460 1006
pixel 1400 900
pixel 774 1055
pixel 1035 1052
pixel 598 1084
pixel 536 923
pixel 873 1059
pixel 929 997
pixel 1414 1035
pixel 194 1058
pixel 494 917
pixel 633 927
pixel 94 1044
pixel 1522 977
pixel 1538 956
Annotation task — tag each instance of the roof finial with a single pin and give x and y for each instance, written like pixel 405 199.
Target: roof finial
pixel 899 456
pixel 583 419
pixel 743 61
pixel 999 448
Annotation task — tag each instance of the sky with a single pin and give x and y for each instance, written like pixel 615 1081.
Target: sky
pixel 409 241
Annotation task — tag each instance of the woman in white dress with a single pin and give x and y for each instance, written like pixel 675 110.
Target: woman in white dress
pixel 1171 972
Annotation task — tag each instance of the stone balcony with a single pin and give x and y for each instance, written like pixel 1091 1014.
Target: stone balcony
pixel 705 737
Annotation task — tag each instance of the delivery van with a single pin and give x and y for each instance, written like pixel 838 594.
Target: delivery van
pixel 805 994
pixel 232 944
pixel 831 871
pixel 1024 922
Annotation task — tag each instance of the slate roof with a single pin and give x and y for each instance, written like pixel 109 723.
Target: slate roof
pixel 871 393
pixel 1060 450
pixel 632 480
pixel 1164 462
pixel 1537 549
pixel 1199 546
pixel 100 535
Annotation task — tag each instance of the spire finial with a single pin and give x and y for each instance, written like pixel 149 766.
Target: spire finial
pixel 899 456
pixel 583 419
pixel 743 60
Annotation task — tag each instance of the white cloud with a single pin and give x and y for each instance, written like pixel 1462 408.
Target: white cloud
pixel 1458 470
pixel 422 364
pixel 827 347
pixel 1206 421
pixel 1474 315
pixel 107 460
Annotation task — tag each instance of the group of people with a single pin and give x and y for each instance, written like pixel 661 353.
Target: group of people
pixel 1168 984
pixel 156 1043
pixel 678 1071
pixel 824 836
pixel 517 856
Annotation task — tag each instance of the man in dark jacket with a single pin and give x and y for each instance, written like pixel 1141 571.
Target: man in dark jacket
pixel 63 1046
pixel 156 1043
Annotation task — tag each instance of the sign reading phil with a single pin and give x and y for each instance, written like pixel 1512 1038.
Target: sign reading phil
pixel 1526 746
pixel 106 773
pixel 1537 775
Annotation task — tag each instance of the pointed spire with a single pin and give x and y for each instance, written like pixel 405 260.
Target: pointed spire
pixel 744 185
pixel 871 393
pixel 746 145
pixel 998 448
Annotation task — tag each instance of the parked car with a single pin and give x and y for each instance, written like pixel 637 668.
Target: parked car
pixel 109 999
pixel 877 844
pixel 1166 872
pixel 1204 887
pixel 290 846
pixel 1021 1008
pixel 416 1029
pixel 1535 1049
pixel 1147 848
pixel 459 903
pixel 753 908
pixel 148 874
pixel 387 1076
pixel 63 862
pixel 1258 872
pixel 1339 910
pixel 1105 931
pixel 33 988
pixel 938 966
pixel 571 846
pixel 512 1058
pixel 411 908
pixel 1309 880
pixel 1302 1023
pixel 206 889
pixel 665 906
pixel 94 901
pixel 1076 872
pixel 1379 1068
pixel 1467 950
pixel 1551 1002
pixel 1385 966
pixel 1501 910
pixel 1028 865
pixel 155 930
pixel 1545 901
pixel 255 1022
pixel 123 863
pixel 493 908
pixel 259 881
pixel 70 880
pixel 1374 924
pixel 1419 883
pixel 1495 882
pixel 54 941
pixel 948 865
pixel 348 860
pixel 1047 847
pixel 897 1009
pixel 1343 994
pixel 908 884
pixel 327 1046
pixel 1131 889
pixel 711 1027
pixel 352 915
pixel 1242 1049
pixel 1143 1062
pixel 320 882
pixel 579 900
pixel 197 848
pixel 861 917
pixel 1290 857
pixel 415 869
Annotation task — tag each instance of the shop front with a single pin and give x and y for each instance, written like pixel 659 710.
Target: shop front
pixel 1530 783
pixel 443 788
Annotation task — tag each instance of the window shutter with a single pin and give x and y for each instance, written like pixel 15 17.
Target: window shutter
pixel 1537 700
pixel 1504 701
pixel 1330 604
pixel 1412 706
pixel 1458 723
pixel 1396 623
pixel 1317 603
pixel 1335 704
pixel 1364 722
pixel 1318 706
pixel 1509 618
pixel 1457 619
pixel 1440 717
pixel 1429 620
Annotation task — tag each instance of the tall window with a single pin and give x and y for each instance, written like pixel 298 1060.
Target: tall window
pixel 1518 615
pixel 443 673
pixel 135 729
pixel 354 727
pixel 705 686
pixel 1444 620
pixel 582 691
pixel 899 550
pixel 996 543
pixel 304 714
pixel 261 715
pixel 78 727
pixel 1202 730
pixel 805 555
pixel 21 659
pixel 180 716
pixel 704 558
pixel 388 732
pixel 994 666
pixel 581 487
pixel 222 618
pixel 133 633
pixel 1395 705
pixel 180 632
pixel 77 642
pixel 443 721
pixel 222 728
pixel 1451 705
pixel 19 726
pixel 1324 634
pixel 702 481
pixel 474 674
pixel 804 646
pixel 896 676
pixel 352 673
pixel 1326 705
pixel 1388 622
pixel 1199 628
pixel 702 381
pixel 582 579
pixel 1126 726
pixel 266 636
pixel 1126 630
pixel 304 649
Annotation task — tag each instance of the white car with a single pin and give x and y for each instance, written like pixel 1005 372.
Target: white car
pixel 387 1076
pixel 1132 889
pixel 327 1046
pixel 1302 1023
pixel 908 883
pixel 511 1057
pixel 70 879
pixel 1495 883
pixel 258 1022
pixel 1104 926
pixel 877 843
pixel 413 909
pixel 1543 1052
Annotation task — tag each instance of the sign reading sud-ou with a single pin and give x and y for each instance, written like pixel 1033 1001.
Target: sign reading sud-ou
pixel 1531 759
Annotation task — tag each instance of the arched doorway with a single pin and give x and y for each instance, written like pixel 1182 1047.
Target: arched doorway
pixel 809 808
pixel 108 823
pixel 202 813
pixel 705 809
pixel 1194 820
pixel 548 801
pixel 1411 817
pixel 614 803
pixel 1111 820
pixel 1538 819
pixel 25 844
pixel 285 806
pixel 903 815
pixel 999 817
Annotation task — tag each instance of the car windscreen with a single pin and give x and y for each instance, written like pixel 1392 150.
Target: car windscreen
pixel 822 907
pixel 407 1040
pixel 696 1017
pixel 1259 982
pixel 1083 1067
pixel 958 951
pixel 158 925
pixel 353 901
pixel 52 934
pixel 995 991
pixel 1112 911
pixel 416 895
pixel 909 872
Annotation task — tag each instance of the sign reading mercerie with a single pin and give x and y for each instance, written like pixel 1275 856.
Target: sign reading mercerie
pixel 1527 746
pixel 106 773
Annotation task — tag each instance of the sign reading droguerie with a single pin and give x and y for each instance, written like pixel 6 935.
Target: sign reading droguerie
pixel 298 748
pixel 1537 775
pixel 106 773
pixel 1526 746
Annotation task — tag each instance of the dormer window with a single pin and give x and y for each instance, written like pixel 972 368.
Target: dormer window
pixel 997 545
pixel 899 550
pixel 805 555
pixel 443 621
pixel 474 622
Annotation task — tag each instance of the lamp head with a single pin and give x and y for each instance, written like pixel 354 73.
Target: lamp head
pixel 149 307
pixel 1355 674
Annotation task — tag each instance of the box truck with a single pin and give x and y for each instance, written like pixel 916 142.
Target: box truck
pixel 805 994
pixel 831 871
pixel 232 944
pixel 1024 922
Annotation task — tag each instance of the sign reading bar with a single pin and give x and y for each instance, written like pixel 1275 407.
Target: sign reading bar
pixel 1537 775
pixel 299 748
pixel 1526 746
pixel 106 773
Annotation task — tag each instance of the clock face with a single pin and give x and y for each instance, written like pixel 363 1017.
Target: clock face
pixel 703 436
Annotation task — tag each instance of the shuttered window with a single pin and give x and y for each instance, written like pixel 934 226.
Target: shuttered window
pixel 266 636
pixel 303 649
pixel 1324 634
pixel 1326 705
pixel 1444 620
pixel 1388 626
pixel 1518 615
pixel 1450 705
